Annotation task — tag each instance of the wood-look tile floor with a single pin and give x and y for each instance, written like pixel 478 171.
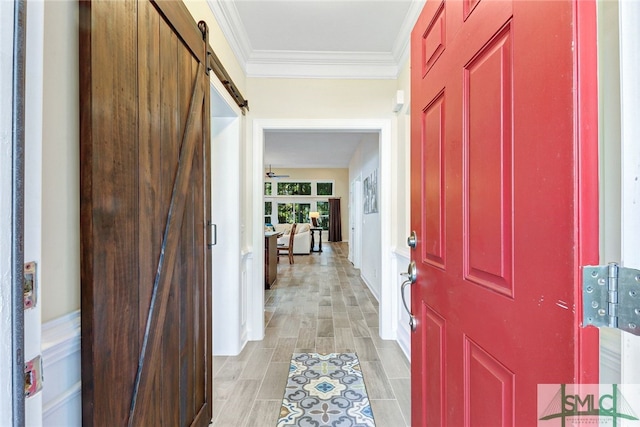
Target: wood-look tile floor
pixel 319 304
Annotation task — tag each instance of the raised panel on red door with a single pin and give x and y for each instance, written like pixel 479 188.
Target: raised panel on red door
pixel 493 153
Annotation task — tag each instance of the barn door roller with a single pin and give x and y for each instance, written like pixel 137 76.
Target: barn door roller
pixel 611 297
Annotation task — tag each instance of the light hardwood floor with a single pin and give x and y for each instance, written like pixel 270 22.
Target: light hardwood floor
pixel 319 304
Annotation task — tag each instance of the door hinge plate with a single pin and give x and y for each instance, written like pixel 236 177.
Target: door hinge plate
pixel 611 297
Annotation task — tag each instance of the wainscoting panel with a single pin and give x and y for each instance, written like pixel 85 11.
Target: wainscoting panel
pixel 61 398
pixel 401 263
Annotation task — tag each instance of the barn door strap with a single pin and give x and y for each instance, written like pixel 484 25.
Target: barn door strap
pixel 611 297
pixel 147 364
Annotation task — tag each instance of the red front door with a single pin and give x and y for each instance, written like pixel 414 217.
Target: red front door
pixel 500 133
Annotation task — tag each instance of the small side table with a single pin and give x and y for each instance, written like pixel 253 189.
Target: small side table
pixel 313 240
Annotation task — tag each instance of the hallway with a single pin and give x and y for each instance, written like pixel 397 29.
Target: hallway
pixel 319 304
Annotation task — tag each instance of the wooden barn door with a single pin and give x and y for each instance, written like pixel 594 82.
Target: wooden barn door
pixel 145 186
pixel 504 205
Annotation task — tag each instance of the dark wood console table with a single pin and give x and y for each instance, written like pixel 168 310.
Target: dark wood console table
pixel 313 240
pixel 270 258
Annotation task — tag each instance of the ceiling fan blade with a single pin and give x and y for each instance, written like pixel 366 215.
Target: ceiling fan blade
pixel 272 174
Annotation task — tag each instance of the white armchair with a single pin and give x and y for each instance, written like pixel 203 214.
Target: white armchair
pixel 301 241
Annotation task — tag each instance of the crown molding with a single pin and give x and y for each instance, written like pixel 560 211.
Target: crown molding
pixel 302 64
pixel 298 64
pixel 232 28
pixel 403 41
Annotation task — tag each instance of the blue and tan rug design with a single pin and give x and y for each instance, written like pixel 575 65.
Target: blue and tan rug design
pixel 325 390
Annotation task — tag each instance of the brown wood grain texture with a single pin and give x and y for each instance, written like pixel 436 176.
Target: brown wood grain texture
pixel 86 209
pixel 137 81
pixel 109 207
pixel 162 286
pixel 151 221
pixel 171 126
pixel 178 15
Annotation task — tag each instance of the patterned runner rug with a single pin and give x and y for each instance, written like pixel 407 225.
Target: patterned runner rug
pixel 325 390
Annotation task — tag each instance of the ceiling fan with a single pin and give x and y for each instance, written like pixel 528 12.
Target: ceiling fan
pixel 271 174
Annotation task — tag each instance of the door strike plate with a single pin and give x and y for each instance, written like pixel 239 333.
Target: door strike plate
pixel 611 297
pixel 29 286
pixel 33 376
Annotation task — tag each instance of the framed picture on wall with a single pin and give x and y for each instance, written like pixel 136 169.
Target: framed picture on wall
pixel 371 193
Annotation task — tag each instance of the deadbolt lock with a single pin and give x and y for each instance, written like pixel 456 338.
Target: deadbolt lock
pixel 412 240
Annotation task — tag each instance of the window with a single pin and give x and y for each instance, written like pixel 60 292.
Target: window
pixel 289 213
pixel 324 188
pixel 301 212
pixel 288 202
pixel 285 213
pixel 323 210
pixel 294 189
pixel 268 206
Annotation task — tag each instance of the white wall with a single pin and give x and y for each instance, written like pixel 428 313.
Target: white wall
pixel 229 292
pixel 33 190
pixel 401 209
pixel 365 161
pixel 6 99
pixel 60 266
pixel 401 169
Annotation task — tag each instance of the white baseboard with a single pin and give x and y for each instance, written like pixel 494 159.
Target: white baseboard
pixel 375 293
pixel 61 392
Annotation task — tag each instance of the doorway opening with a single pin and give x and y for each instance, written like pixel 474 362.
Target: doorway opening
pixel 229 282
pixel 387 293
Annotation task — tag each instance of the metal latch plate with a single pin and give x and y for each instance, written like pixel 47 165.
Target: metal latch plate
pixel 611 305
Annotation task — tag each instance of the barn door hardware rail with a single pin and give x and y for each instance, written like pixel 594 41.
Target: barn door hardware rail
pixel 611 297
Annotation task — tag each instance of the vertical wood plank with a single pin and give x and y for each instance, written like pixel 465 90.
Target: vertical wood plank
pixel 152 216
pixel 108 40
pixel 137 81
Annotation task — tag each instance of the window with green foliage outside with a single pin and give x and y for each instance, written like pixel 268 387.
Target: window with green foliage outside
pixel 267 212
pixel 294 189
pixel 267 188
pixel 323 210
pixel 289 213
pixel 324 189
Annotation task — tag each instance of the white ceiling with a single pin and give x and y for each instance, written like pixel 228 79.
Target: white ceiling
pixel 318 38
pixel 363 39
pixel 312 149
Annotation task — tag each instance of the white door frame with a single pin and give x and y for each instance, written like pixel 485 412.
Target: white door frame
pixel 388 294
pixel 630 154
pixel 352 219
pixel 228 288
pixel 7 35
pixel 357 222
pixel 620 169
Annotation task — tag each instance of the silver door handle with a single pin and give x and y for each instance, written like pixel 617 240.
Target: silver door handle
pixel 411 275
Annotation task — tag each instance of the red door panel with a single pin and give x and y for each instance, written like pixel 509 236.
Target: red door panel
pixel 496 209
pixel 488 171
